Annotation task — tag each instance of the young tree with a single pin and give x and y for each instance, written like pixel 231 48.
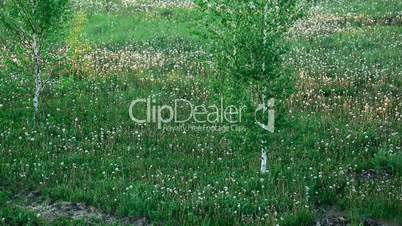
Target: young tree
pixel 248 41
pixel 29 24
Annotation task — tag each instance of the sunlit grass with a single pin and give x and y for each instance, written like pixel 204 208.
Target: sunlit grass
pixel 136 26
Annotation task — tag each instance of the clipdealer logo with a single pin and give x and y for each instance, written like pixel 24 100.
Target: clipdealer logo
pixel 183 111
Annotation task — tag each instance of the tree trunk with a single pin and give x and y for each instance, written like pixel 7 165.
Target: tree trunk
pixel 264 158
pixel 37 71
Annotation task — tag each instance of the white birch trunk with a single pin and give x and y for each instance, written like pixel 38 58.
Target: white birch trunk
pixel 263 162
pixel 37 71
pixel 264 156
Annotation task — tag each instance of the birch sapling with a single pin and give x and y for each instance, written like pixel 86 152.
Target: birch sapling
pixel 28 24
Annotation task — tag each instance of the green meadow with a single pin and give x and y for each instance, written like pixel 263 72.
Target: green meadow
pixel 335 157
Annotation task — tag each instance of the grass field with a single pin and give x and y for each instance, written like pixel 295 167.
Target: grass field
pixel 335 157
